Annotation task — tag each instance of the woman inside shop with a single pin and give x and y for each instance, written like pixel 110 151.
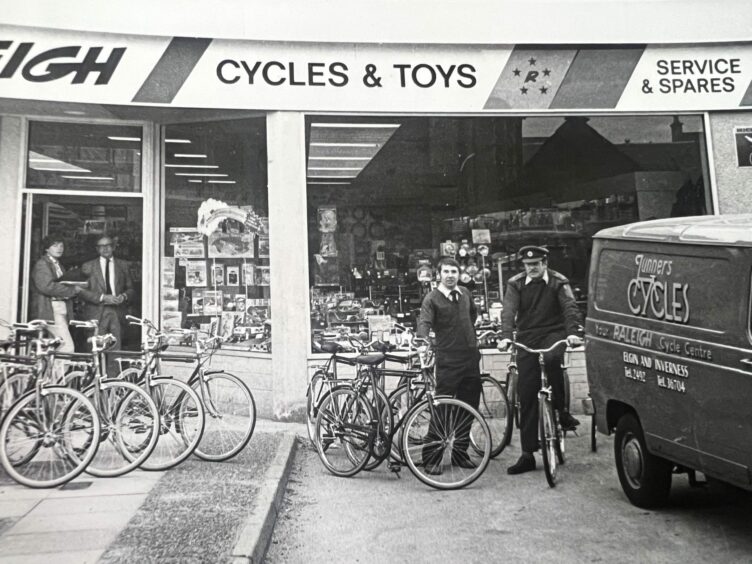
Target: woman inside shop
pixel 51 299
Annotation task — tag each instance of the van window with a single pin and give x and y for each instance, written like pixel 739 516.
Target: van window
pixel 669 288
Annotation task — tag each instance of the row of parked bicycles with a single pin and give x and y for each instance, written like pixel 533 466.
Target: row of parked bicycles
pixel 357 420
pixel 63 414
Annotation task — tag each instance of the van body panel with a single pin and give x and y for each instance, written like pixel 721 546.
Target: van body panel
pixel 668 335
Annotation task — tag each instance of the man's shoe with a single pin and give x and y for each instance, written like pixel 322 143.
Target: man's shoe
pixel 568 423
pixel 526 463
pixel 463 461
pixel 433 469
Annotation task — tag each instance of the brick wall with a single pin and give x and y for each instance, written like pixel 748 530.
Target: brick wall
pixel 496 364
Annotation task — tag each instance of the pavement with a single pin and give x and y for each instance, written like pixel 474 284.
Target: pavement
pixel 197 512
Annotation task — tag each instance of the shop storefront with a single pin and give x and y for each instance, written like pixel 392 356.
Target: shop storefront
pixel 313 186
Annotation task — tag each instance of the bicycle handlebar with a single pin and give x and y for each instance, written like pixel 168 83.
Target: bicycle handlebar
pixel 91 324
pixel 543 351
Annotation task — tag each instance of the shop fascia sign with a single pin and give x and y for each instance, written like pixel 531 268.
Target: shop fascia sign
pixel 214 73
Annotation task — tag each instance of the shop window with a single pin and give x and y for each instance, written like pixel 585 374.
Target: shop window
pixel 215 269
pixel 72 156
pixel 388 197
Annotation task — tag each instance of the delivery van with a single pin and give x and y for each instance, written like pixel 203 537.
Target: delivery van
pixel 669 350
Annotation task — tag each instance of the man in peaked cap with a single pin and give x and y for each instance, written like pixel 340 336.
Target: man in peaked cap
pixel 540 306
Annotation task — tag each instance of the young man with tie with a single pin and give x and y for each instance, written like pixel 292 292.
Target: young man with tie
pixel 450 312
pixel 110 290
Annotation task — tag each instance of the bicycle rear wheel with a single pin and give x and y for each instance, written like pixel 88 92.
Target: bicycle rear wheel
pixel 181 423
pixel 548 439
pixel 230 416
pixel 344 432
pixel 494 407
pixel 13 387
pixel 435 443
pixel 49 437
pixel 129 428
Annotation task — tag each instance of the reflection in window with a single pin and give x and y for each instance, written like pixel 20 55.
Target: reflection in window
pixel 215 268
pixel 70 156
pixel 387 197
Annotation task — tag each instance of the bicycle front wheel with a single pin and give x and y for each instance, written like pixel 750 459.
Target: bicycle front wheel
pixel 548 439
pixel 380 450
pixel 494 407
pixel 181 423
pixel 48 437
pixel 436 443
pixel 129 428
pixel 344 432
pixel 314 397
pixel 401 400
pixel 230 416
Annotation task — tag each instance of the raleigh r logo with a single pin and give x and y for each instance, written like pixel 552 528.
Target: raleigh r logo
pixel 39 68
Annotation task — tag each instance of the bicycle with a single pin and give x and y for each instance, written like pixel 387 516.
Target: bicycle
pixel 129 419
pixel 181 414
pixel 50 434
pixel 346 432
pixel 17 375
pixel 550 432
pixel 229 406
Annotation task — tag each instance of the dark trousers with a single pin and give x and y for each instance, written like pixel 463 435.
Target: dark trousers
pixel 528 367
pixel 457 375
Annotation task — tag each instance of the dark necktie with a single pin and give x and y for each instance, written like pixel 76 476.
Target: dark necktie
pixel 107 283
pixel 455 296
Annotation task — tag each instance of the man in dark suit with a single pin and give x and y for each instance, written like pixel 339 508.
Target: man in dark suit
pixel 110 290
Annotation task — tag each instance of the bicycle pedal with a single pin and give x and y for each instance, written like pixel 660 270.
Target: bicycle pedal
pixel 396 468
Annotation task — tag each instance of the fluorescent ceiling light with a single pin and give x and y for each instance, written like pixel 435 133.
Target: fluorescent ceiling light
pixel 86 177
pixel 74 112
pixel 335 168
pixel 52 164
pixel 177 141
pixel 189 156
pixel 339 158
pixel 340 176
pixel 199 174
pixel 358 125
pixel 221 181
pixel 344 144
pixel 189 166
pixel 116 138
pixel 315 182
pixel 194 180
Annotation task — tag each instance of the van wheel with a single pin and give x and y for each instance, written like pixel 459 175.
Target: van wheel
pixel 644 477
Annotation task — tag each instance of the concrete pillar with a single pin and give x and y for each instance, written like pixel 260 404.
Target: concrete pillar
pixel 11 153
pixel 288 234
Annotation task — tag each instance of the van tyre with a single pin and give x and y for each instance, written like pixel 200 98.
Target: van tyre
pixel 645 478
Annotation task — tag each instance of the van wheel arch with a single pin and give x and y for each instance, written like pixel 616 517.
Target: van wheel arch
pixel 644 477
pixel 615 410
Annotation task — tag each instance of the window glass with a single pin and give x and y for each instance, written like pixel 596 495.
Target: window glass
pixel 72 156
pixel 215 268
pixel 387 197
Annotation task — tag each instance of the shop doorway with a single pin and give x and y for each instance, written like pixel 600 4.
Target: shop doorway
pixel 80 222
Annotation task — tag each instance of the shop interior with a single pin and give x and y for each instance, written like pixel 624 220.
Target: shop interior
pixel 389 196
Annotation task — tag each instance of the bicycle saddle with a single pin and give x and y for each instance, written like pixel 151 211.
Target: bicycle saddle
pixel 370 359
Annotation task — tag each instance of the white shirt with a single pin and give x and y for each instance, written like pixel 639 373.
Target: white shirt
pixel 544 277
pixel 448 293
pixel 102 262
